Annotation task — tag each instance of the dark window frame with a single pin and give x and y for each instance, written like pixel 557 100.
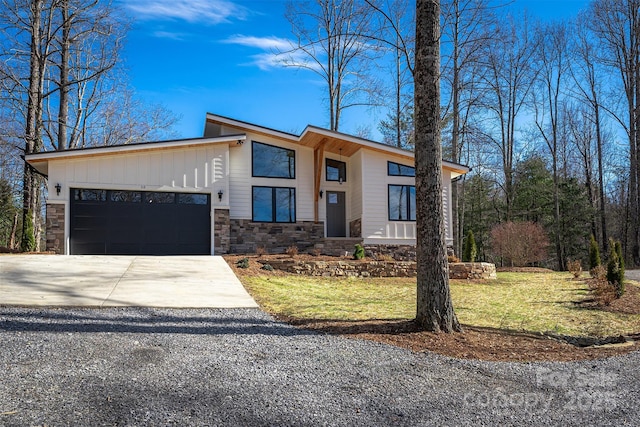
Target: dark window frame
pixel 342 172
pixel 399 167
pixel 291 157
pixel 407 201
pixel 274 208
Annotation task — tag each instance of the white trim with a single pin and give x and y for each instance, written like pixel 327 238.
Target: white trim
pixel 116 149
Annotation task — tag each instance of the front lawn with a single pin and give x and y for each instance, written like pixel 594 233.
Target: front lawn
pixel 534 302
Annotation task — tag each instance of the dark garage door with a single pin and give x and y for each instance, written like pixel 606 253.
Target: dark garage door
pixel 112 222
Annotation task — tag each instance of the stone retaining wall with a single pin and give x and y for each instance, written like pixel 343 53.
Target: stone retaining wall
pixel 348 268
pixel 472 270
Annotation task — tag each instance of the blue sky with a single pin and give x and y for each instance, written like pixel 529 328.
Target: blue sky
pixel 199 56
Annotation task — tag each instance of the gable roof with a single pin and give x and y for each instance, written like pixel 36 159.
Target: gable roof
pixel 40 161
pixel 334 142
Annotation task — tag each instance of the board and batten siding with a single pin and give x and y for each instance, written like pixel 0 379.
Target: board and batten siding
pixel 191 169
pixel 242 181
pixel 376 226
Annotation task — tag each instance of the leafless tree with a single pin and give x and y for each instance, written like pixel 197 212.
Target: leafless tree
pixel 616 25
pixel 434 306
pixel 587 76
pixel 507 82
pixel 331 41
pixel 466 33
pixel 552 61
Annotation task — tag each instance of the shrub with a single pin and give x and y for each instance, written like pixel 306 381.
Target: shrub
pixel 260 251
pixel 315 252
pixel 594 254
pixel 575 267
pixel 603 291
pixel 243 263
pixel 358 253
pixel 519 243
pixel 470 250
pixel 267 267
pixel 452 259
pixel 615 267
pixel 385 257
pixel 28 243
pixel 292 251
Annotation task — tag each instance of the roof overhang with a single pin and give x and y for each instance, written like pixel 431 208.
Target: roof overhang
pixel 40 161
pixel 333 142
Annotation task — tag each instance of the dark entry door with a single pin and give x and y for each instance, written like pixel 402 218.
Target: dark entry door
pixel 113 222
pixel 336 214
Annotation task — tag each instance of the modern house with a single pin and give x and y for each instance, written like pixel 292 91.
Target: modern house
pixel 240 187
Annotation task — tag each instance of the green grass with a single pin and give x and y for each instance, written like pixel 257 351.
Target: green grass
pixel 516 301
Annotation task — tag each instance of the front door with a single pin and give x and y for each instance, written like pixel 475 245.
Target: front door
pixel 336 214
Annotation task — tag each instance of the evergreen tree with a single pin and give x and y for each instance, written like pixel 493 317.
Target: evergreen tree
pixel 470 249
pixel 28 243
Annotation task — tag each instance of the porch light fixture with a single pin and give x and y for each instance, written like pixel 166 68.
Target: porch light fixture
pixel 321 193
pixel 220 193
pixel 58 188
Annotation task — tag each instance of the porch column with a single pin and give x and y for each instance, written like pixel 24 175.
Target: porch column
pixel 318 155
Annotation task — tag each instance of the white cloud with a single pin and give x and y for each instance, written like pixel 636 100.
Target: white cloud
pixel 204 11
pixel 275 44
pixel 278 52
pixel 170 35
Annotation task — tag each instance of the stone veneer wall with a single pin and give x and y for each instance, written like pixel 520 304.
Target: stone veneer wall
pixel 246 236
pixel 355 228
pixel 397 252
pixel 221 232
pixel 55 228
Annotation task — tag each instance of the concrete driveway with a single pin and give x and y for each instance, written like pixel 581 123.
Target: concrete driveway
pixel 120 281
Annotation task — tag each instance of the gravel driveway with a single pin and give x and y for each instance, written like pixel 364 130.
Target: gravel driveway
pixel 159 367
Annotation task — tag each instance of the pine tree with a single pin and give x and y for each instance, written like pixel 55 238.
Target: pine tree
pixel 470 249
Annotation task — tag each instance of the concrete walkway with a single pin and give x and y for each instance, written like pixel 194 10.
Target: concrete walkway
pixel 118 281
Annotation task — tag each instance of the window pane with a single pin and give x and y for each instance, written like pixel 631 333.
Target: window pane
pixel 412 203
pixel 336 170
pixel 90 195
pixel 285 205
pixel 163 198
pixel 262 204
pixel 126 196
pixel 402 203
pixel 396 169
pixel 192 199
pixel 273 162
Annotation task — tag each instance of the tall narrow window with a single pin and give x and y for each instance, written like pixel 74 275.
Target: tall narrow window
pixel 269 161
pixel 274 204
pixel 402 203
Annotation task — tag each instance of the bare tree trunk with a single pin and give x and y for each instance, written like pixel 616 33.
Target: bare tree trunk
pixel 32 132
pixel 434 306
pixel 65 45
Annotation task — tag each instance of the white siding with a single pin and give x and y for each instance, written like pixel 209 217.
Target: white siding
pixel 376 226
pixel 167 170
pixel 355 178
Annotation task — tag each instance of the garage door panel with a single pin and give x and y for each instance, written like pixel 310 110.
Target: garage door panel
pixel 131 223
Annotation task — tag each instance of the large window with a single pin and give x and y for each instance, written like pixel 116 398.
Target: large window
pixel 274 204
pixel 336 170
pixel 269 161
pixel 396 169
pixel 402 203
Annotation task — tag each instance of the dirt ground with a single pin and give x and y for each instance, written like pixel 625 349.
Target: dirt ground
pixel 473 342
